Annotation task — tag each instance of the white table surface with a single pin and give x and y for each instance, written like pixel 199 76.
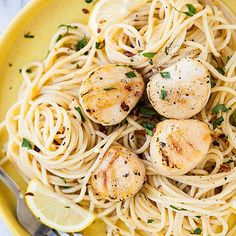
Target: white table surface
pixel 8 9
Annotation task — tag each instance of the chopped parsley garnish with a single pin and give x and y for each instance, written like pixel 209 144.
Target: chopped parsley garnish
pixel 60 36
pixel 29 35
pixel 213 83
pixel 167 50
pixel 88 1
pixel 220 70
pixel 108 89
pixel 217 122
pixel 191 10
pixel 149 55
pixel 147 111
pixel 233 118
pixel 165 75
pixel 177 209
pixel 199 217
pixel 150 221
pixel 98 45
pixel 81 114
pixel 26 144
pixel 67 187
pixel 62 178
pixel 163 94
pixel 229 161
pixel 220 107
pixel 197 231
pixel 151 62
pixel 130 74
pixel 68 27
pixel 67 206
pixel 81 43
pixel 28 71
pixel 149 127
pixel 228 58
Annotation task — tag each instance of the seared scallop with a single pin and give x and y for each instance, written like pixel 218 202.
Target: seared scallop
pixel 178 146
pixel 120 174
pixel 180 91
pixel 110 93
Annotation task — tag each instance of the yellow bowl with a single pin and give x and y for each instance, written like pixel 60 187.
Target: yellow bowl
pixel 41 18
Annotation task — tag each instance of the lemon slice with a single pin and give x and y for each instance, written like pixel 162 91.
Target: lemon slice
pixel 107 12
pixel 56 211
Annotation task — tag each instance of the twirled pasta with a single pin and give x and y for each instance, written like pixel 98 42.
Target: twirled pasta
pixel 67 147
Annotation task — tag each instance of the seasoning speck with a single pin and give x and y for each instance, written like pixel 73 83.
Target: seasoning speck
pixel 85 11
pixel 124 106
pixel 29 35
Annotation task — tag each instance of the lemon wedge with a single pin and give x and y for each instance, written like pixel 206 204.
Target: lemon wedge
pixel 107 12
pixel 56 211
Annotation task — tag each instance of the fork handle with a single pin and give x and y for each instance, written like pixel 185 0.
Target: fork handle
pixel 7 180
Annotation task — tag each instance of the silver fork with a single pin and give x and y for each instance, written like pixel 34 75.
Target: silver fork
pixel 30 223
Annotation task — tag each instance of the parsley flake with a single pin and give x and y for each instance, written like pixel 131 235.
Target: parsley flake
pixel 233 118
pixel 191 10
pixel 60 36
pixel 26 144
pixel 81 43
pixel 217 122
pixel 220 107
pixel 147 111
pixel 220 70
pixel 178 209
pixel 163 94
pixel 99 45
pixel 150 221
pixel 229 161
pixel 165 75
pixel 149 55
pixel 197 231
pixel 228 58
pixel 68 27
pixel 130 75
pixel 149 127
pixel 78 109
pixel 151 62
pixel 62 178
pixel 213 83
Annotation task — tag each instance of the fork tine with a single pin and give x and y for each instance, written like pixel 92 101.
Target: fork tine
pixel 70 234
pixel 53 232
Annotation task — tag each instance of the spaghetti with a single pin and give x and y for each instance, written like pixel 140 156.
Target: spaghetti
pixel 63 147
